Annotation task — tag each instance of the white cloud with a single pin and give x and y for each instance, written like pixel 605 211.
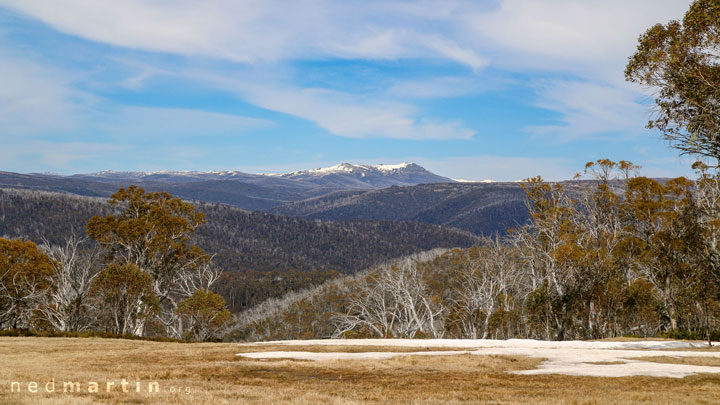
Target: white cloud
pixel 172 122
pixel 438 87
pixel 56 156
pixel 532 32
pixel 590 41
pixel 499 168
pixel 343 114
pixel 589 110
pixel 589 37
pixel 36 99
pixel 264 31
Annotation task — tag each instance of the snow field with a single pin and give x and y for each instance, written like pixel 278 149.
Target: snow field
pixel 578 358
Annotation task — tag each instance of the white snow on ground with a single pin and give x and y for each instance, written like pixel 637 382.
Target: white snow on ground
pixel 569 357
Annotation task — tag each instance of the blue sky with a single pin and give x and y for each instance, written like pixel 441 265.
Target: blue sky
pixel 502 89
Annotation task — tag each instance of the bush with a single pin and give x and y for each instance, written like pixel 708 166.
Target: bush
pixel 85 334
pixel 690 334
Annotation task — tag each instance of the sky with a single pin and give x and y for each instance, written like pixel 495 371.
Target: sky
pixel 469 89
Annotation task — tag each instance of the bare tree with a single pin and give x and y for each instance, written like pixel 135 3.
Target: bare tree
pixel 188 282
pixel 488 283
pixel 370 307
pixel 393 300
pixel 418 311
pixel 65 306
pixel 20 295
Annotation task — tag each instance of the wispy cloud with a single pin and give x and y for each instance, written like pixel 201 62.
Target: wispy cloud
pixel 341 113
pixel 173 123
pixel 590 38
pixel 500 168
pixel 589 110
pixel 264 31
pixel 60 156
pixel 349 116
pixel 36 99
pixel 439 87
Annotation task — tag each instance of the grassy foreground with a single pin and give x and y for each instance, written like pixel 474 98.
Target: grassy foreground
pixel 211 373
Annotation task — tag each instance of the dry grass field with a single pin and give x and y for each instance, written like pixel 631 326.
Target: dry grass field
pixel 212 373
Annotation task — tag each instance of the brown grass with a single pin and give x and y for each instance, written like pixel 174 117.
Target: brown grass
pixel 213 374
pixel 255 348
pixel 692 360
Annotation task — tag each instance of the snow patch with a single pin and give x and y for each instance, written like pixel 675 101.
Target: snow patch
pixel 388 168
pixel 579 358
pixel 350 168
pixel 321 171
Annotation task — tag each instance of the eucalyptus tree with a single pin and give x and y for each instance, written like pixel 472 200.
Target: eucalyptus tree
pixel 680 62
pixel 153 232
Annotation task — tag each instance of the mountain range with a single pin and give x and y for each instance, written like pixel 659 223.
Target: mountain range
pixel 344 192
pixel 341 176
pixel 243 190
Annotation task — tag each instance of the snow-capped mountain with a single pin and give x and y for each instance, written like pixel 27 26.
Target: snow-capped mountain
pixel 346 175
pixel 341 176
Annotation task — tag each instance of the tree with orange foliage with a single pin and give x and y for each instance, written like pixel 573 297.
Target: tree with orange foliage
pixel 126 297
pixel 24 274
pixel 205 314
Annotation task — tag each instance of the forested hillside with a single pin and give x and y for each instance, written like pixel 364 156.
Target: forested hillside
pixel 244 241
pixel 480 208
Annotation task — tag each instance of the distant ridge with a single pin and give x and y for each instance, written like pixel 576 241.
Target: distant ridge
pixel 244 190
pixel 346 175
pixel 341 176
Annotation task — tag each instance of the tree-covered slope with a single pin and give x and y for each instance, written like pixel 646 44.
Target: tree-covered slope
pixel 241 239
pixel 478 208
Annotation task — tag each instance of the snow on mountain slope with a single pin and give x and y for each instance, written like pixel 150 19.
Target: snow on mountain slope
pixel 344 175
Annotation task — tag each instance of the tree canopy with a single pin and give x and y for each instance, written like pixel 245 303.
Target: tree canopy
pixel 152 234
pixel 680 61
pixel 24 274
